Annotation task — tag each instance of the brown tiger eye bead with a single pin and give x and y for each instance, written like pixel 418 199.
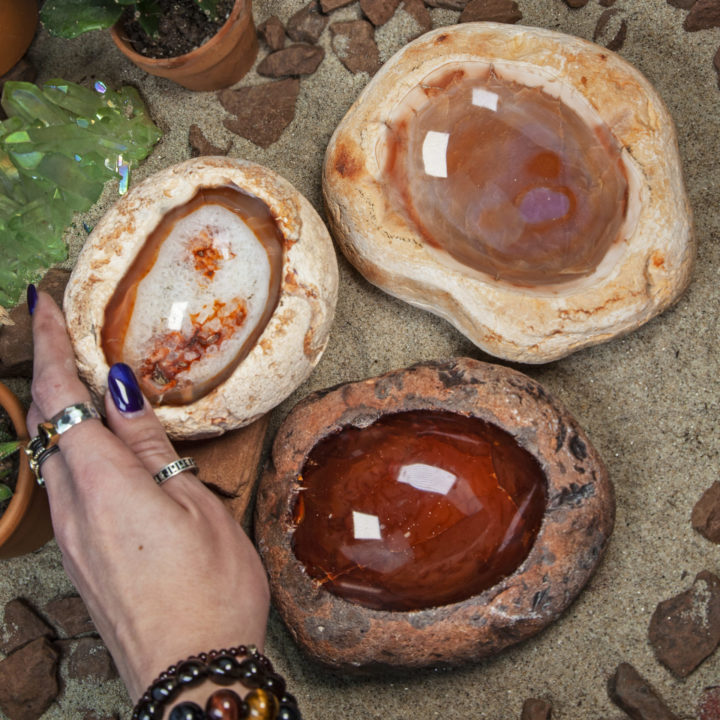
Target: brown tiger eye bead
pixel 262 705
pixel 226 704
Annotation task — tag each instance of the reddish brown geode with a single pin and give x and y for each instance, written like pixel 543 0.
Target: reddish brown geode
pixel 576 526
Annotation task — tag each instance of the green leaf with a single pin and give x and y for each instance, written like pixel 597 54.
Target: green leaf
pixel 5 492
pixel 70 18
pixel 8 448
pixel 210 7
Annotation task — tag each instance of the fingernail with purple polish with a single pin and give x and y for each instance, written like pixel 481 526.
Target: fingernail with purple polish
pixel 124 389
pixel 31 298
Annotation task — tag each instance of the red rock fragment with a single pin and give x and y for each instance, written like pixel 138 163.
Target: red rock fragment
pixel 307 24
pixel 354 44
pixel 705 516
pixel 272 32
pixel 28 680
pixel 93 715
pixel 297 59
pixel 709 704
pixel 378 12
pixel 616 41
pixel 576 3
pixel 606 3
pixel 449 4
pixel 685 629
pixel 262 112
pixel 704 14
pixel 21 624
pixel 534 709
pixel 90 660
pixel 420 14
pixel 16 345
pixel 716 63
pixel 200 145
pixel 683 4
pixel 70 615
pixel 330 5
pixel 502 11
pixel 632 693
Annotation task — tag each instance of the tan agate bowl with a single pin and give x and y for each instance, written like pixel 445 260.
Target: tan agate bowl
pixel 522 184
pixel 433 515
pixel 216 281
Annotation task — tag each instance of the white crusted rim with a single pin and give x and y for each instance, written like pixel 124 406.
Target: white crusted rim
pixel 646 270
pixel 296 334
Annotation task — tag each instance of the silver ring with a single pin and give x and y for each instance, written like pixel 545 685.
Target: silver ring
pixel 51 430
pixel 175 468
pixel 37 454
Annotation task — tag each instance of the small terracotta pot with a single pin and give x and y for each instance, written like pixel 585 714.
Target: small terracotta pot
pixel 25 525
pixel 217 64
pixel 18 20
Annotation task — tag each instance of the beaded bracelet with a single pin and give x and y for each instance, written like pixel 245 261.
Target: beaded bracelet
pixel 267 699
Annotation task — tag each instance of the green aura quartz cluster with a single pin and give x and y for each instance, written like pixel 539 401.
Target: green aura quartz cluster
pixel 58 147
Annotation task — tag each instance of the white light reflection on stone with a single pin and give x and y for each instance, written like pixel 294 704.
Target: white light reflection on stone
pixel 434 151
pixel 427 478
pixel 485 98
pixel 177 314
pixel 366 527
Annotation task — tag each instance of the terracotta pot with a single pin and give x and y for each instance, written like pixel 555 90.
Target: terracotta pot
pixel 25 525
pixel 219 63
pixel 18 20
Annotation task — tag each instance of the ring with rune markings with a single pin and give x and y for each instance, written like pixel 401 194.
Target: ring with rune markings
pixel 175 468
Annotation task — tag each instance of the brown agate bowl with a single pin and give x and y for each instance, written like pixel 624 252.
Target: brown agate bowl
pixel 429 516
pixel 216 281
pixel 523 184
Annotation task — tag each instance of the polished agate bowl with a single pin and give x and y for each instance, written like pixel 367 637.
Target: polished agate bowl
pixel 216 281
pixel 430 516
pixel 523 184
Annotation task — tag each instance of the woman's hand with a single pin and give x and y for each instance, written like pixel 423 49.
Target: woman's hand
pixel 165 571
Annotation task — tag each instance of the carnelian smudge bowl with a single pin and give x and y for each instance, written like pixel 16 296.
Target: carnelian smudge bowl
pixel 574 531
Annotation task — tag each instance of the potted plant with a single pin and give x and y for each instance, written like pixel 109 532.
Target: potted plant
pixel 167 37
pixel 18 20
pixel 24 515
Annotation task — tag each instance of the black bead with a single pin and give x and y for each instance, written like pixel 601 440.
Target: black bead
pixel 251 674
pixel 224 669
pixel 187 711
pixel 164 690
pixel 150 710
pixel 288 712
pixel 288 699
pixel 275 684
pixel 191 672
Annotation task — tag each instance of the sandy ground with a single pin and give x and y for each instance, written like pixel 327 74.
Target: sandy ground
pixel 648 401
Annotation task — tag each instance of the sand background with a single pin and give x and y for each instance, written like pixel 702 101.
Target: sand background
pixel 649 402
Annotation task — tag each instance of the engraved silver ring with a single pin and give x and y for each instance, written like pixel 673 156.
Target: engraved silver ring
pixel 175 468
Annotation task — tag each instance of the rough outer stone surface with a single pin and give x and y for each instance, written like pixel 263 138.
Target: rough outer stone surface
pixel 200 145
pixel 601 36
pixel 535 709
pixel 21 624
pixel 417 10
pixel 272 32
pixel 298 59
pixel 502 11
pixel 633 694
pixel 706 513
pixel 28 680
pixel 703 14
pixel 378 12
pixel 70 615
pixel 262 112
pixel 330 5
pixel 16 345
pixel 685 629
pixel 354 44
pixel 307 24
pixel 709 704
pixel 90 660
pixel 576 527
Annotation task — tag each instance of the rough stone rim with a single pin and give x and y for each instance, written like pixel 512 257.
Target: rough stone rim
pixel 579 517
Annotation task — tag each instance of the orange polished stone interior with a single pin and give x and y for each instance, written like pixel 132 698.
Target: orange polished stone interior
pixel 417 510
pixel 508 180
pixel 197 296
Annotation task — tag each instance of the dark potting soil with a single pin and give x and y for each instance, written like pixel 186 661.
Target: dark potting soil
pixel 183 27
pixel 8 466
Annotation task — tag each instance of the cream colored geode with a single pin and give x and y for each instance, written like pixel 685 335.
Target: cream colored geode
pixel 296 334
pixel 645 270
